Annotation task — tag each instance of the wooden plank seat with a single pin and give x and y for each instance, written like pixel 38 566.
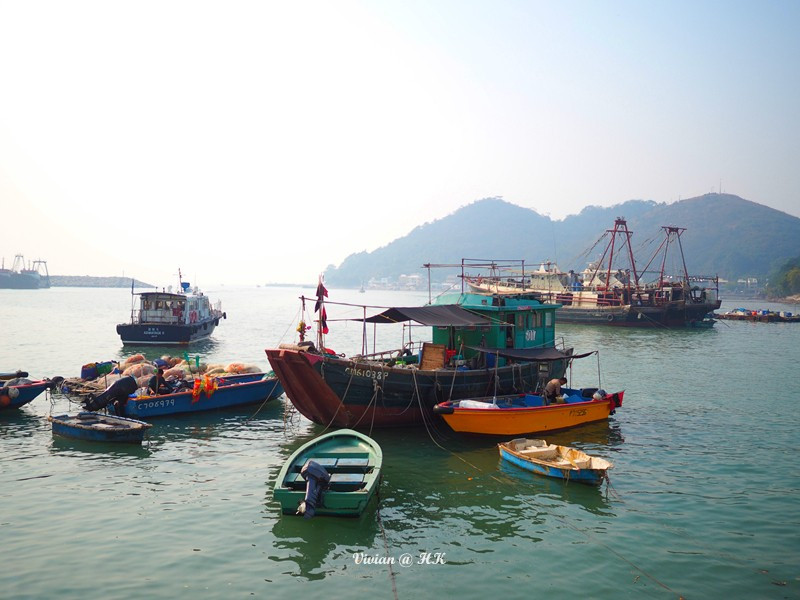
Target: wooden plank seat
pixel 342 482
pixel 340 465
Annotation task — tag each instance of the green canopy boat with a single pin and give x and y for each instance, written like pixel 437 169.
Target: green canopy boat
pixel 334 474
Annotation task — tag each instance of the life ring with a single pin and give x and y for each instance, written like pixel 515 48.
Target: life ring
pixel 610 318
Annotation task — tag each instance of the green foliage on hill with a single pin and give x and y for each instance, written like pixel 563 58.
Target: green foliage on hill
pixel 785 281
pixel 725 235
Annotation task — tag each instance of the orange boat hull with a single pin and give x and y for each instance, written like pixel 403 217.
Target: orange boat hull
pixel 520 421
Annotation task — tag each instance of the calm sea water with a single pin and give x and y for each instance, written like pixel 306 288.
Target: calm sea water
pixel 704 499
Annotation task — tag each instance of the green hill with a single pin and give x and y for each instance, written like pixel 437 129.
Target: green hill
pixel 725 235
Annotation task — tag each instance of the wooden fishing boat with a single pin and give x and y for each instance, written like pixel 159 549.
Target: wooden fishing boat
pixel 335 474
pixel 14 395
pixel 208 393
pixel 480 345
pixel 550 460
pixel 95 427
pixel 520 414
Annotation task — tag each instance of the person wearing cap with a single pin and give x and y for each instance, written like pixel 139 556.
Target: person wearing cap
pixel 553 389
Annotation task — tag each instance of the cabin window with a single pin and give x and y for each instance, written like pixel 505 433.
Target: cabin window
pixel 521 321
pixel 548 319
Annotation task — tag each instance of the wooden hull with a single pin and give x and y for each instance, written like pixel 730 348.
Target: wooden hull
pixel 95 427
pixel 225 396
pixel 354 462
pixel 558 469
pixel 333 391
pixel 521 421
pixel 26 393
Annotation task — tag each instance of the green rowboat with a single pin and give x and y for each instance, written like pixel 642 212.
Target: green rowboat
pixel 349 476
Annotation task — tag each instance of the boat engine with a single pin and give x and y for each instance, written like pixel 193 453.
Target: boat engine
pixel 317 480
pixel 119 390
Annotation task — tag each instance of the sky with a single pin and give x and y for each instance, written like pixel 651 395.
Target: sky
pixel 252 142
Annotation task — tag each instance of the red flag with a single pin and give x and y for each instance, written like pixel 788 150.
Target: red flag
pixel 323 320
pixel 321 293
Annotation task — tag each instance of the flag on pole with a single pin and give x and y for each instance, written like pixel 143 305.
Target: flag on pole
pixel 321 293
pixel 323 321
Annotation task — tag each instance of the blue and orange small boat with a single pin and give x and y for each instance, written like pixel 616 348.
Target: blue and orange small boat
pixel 560 462
pixel 15 395
pixel 521 414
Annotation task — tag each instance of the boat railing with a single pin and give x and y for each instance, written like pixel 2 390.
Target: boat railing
pixel 163 317
pixel 385 355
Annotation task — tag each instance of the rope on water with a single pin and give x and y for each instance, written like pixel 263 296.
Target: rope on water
pixel 341 401
pixel 385 541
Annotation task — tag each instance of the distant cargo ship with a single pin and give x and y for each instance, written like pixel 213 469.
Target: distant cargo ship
pixel 18 277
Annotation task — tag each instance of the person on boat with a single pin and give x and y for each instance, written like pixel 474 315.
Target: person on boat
pixel 158 385
pixel 553 389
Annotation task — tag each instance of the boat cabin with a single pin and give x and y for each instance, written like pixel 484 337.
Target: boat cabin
pixel 173 309
pixel 513 322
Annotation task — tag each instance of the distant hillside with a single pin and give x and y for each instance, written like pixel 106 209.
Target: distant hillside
pixel 725 235
pixel 87 281
pixel 785 281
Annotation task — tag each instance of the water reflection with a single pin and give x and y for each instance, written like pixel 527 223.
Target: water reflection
pixel 72 447
pixel 201 348
pixel 323 545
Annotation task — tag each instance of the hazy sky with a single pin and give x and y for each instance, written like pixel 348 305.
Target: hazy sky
pixel 253 142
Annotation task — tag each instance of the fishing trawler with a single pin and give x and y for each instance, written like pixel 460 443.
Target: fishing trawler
pixel 21 277
pixel 611 291
pixel 400 385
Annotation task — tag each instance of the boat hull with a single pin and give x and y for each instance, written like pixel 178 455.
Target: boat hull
pixel 26 393
pixel 586 476
pixel 675 314
pixel 348 499
pixel 227 395
pixel 334 391
pixel 524 420
pixel 161 334
pixel 94 427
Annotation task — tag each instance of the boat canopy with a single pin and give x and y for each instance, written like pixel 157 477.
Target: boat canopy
pixel 531 354
pixel 448 315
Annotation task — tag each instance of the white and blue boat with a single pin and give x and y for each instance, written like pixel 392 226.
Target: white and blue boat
pixel 170 318
pixel 95 427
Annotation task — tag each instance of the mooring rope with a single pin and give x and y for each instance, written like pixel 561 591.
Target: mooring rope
pixel 392 577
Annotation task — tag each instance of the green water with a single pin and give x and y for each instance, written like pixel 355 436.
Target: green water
pixel 703 501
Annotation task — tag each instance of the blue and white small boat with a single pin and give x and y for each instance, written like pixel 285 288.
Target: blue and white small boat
pixel 560 462
pixel 95 427
pixel 167 318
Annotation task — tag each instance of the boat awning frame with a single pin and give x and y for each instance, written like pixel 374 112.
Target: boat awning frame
pixel 532 354
pixel 449 315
